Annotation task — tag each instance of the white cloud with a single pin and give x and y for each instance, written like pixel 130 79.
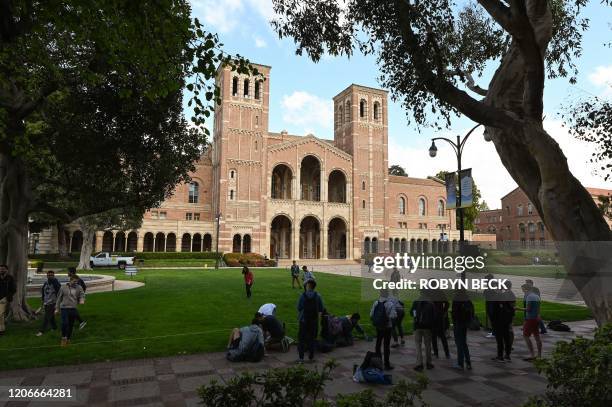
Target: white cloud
pixel 226 15
pixel 260 42
pixel 602 77
pixel 307 110
pixel 490 175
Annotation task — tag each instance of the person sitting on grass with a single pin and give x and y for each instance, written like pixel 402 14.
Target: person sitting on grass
pixel 49 292
pixel 274 331
pixel 72 272
pixel 532 321
pixel 246 343
pixel 70 295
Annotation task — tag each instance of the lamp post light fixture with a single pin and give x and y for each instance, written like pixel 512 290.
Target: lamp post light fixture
pixel 458 147
pixel 218 218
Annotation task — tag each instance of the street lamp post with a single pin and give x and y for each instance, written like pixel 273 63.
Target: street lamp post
pixel 458 147
pixel 217 248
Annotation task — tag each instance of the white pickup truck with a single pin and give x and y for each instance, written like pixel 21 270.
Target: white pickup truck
pixel 105 259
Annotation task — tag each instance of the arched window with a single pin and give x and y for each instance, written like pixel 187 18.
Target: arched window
pixel 194 192
pixel 255 145
pixel 347 111
pixel 231 194
pixel 422 206
pixel 519 210
pixel 402 205
pixel 529 208
pixel 256 120
pixel 245 90
pixel 363 204
pixel 341 115
pixel 232 174
pixel 440 208
pixel 362 108
pixel 235 86
pixel 363 185
pixel 376 111
pixel 257 90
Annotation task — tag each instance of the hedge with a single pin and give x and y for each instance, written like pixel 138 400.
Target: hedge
pixel 247 259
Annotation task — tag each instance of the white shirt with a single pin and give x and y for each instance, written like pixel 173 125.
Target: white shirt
pixel 267 309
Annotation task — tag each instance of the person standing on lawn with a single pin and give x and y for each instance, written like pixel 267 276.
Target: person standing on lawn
pixel 310 307
pixel 382 315
pixel 72 272
pixel 423 313
pixel 306 276
pixel 49 292
pixel 295 274
pixel 248 280
pixel 462 312
pixel 532 320
pixel 502 314
pixel 7 291
pixel 69 297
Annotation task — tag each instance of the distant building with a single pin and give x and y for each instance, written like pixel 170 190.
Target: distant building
pixel 518 224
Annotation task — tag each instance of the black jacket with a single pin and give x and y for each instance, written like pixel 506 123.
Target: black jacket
pixel 7 287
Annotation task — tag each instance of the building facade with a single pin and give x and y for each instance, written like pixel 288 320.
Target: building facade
pixel 518 224
pixel 291 196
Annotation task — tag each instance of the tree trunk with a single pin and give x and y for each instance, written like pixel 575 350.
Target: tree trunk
pixel 15 201
pixel 87 247
pixel 62 246
pixel 537 164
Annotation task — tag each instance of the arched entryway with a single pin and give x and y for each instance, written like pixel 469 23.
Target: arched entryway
pixel 207 243
pixel 120 241
pixel 132 242
pixel 412 246
pixel 186 242
pixel 77 241
pixel 336 239
pixel 246 244
pixel 280 238
pixel 107 242
pixel 236 244
pixel 282 177
pixel 160 242
pixel 336 187
pixel 375 245
pixel 310 179
pixel 419 246
pixel 310 238
pixel 171 242
pixel 404 246
pixel 196 243
pixel 148 242
pixel 366 246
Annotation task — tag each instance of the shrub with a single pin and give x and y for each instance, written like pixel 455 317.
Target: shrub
pixel 579 372
pixel 298 386
pixel 247 259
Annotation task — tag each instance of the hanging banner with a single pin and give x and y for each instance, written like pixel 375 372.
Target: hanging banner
pixel 465 184
pixel 451 190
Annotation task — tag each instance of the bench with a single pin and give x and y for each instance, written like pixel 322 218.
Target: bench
pixel 131 270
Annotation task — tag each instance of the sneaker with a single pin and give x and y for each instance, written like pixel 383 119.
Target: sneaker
pixel 430 366
pixel 490 335
pixel 507 358
pixel 418 368
pixel 457 366
pixel 39 333
pixel 468 366
pixel 82 324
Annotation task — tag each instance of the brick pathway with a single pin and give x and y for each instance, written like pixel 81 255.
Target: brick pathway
pixel 173 381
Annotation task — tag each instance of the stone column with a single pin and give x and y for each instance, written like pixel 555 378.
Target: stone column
pixel 154 247
pixel 114 241
pixel 323 186
pixel 324 244
pixel 99 238
pixel 296 241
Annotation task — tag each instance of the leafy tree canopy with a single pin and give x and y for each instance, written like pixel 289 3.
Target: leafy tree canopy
pixel 397 170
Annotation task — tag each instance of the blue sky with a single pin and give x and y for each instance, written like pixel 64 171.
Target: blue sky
pixel 301 94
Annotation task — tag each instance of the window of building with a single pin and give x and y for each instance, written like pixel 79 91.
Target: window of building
pixel 347 112
pixel 194 192
pixel 246 89
pixel 519 210
pixel 255 145
pixel 196 216
pixel 235 86
pixel 341 115
pixel 531 227
pixel 231 194
pixel 362 108
pixel 232 174
pixel 363 185
pixel 424 225
pixel 402 205
pixel 422 206
pixel 440 208
pixel 257 90
pixel 507 210
pixel 376 111
pixel 188 216
pixel 257 120
pixel 363 204
pixel 529 208
pixel 154 214
pixel 162 215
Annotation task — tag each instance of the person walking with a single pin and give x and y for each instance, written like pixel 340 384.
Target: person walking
pixel 70 295
pixel 49 292
pixel 462 312
pixel 397 326
pixel 306 276
pixel 295 275
pixel 7 291
pixel 489 295
pixel 382 315
pixel 440 324
pixel 248 280
pixel 309 307
pixel 532 320
pixel 72 272
pixel 536 290
pixel 502 314
pixel 423 313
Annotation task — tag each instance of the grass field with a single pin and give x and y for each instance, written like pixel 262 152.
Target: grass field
pixel 188 311
pixel 528 271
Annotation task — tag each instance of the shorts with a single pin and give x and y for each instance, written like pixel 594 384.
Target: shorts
pixel 531 327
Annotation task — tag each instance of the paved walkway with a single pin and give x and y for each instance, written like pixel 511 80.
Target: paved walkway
pixel 173 381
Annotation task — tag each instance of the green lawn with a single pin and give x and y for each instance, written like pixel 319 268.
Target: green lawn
pixel 528 271
pixel 187 311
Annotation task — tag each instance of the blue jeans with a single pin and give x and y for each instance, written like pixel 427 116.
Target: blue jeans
pixel 463 353
pixel 69 315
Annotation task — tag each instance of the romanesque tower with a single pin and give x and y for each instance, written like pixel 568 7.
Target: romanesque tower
pixel 240 127
pixel 360 129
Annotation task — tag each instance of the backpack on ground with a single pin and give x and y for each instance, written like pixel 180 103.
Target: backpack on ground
pixel 372 359
pixel 334 325
pixel 380 319
pixel 559 326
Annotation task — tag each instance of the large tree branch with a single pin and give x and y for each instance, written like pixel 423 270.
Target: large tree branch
pixel 499 12
pixel 473 86
pixel 28 107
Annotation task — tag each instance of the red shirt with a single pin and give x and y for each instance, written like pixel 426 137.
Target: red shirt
pixel 248 278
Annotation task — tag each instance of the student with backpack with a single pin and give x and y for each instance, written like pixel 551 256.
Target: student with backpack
pixel 248 280
pixel 423 313
pixel 440 324
pixel 382 315
pixel 307 276
pixel 49 292
pixel 246 343
pixel 310 307
pixel 462 312
pixel 397 328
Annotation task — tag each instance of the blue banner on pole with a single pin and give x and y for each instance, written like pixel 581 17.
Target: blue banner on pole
pixel 451 190
pixel 465 184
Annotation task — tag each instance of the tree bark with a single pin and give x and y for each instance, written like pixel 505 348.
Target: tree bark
pixel 87 247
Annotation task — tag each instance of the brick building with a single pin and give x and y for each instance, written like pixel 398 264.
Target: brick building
pixel 517 223
pixel 291 196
